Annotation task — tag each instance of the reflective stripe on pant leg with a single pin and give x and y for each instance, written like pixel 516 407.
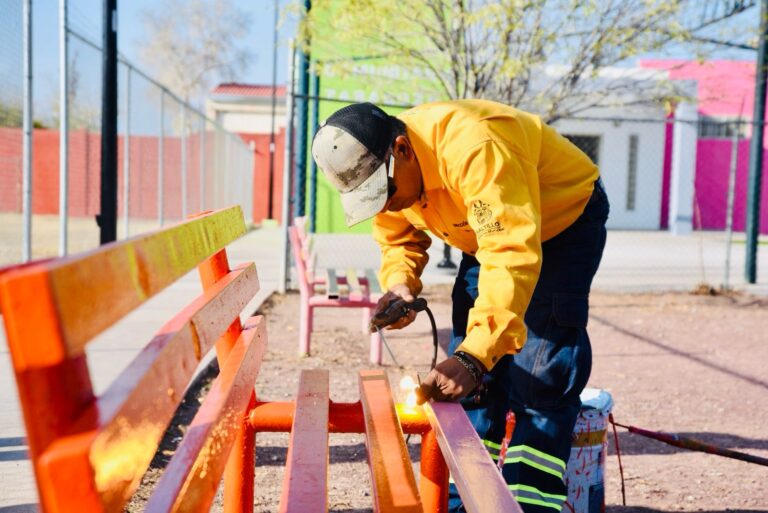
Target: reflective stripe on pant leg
pixel 530 495
pixel 536 459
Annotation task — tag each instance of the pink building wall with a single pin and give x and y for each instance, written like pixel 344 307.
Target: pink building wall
pixel 725 89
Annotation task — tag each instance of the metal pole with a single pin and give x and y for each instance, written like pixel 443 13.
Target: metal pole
pixel 287 170
pixel 127 153
pixel 26 186
pixel 271 189
pixel 729 204
pixel 314 122
pixel 756 149
pixel 301 125
pixel 107 219
pixel 183 161
pixel 161 162
pixel 63 128
pixel 202 164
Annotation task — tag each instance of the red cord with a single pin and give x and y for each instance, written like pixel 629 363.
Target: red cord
pixel 618 455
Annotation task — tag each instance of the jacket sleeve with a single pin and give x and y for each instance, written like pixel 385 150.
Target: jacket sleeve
pixel 501 192
pixel 403 250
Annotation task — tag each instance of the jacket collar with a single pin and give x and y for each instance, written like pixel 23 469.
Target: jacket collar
pixel 427 159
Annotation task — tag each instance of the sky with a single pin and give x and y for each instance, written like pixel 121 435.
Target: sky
pixel 85 17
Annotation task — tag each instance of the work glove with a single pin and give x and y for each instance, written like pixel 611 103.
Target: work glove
pixel 450 380
pixel 395 293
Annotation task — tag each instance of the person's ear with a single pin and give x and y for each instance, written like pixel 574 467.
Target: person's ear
pixel 402 147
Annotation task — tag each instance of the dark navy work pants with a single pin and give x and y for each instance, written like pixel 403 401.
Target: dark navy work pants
pixel 542 383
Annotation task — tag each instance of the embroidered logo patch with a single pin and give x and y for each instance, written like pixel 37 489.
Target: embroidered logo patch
pixel 482 212
pixel 484 216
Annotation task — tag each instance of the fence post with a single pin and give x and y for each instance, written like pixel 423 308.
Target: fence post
pixel 756 150
pixel 63 128
pixel 729 202
pixel 287 171
pixel 161 162
pixel 26 187
pixel 183 161
pixel 202 164
pixel 127 153
pixel 315 124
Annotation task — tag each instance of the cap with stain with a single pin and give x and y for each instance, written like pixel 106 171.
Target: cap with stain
pixel 351 148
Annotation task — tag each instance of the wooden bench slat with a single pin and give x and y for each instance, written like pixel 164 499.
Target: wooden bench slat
pixel 80 297
pixel 131 416
pixel 480 484
pixel 353 283
pixel 372 281
pixel 305 487
pixel 190 481
pixel 392 480
pixel 332 284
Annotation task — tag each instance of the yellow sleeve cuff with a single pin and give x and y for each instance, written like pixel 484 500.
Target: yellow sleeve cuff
pixel 489 352
pixel 410 280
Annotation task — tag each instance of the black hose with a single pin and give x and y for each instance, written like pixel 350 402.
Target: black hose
pixel 434 336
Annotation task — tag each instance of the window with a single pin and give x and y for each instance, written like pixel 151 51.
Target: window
pixel 721 127
pixel 589 144
pixel 632 172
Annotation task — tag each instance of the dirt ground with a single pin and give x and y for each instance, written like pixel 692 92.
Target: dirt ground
pixel 689 364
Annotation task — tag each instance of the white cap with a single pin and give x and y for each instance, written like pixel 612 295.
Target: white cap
pixel 354 170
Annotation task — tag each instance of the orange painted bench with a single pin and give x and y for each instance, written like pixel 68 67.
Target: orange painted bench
pixel 89 453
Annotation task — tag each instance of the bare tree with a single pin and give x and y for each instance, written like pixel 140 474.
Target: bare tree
pixel 191 43
pixel 554 57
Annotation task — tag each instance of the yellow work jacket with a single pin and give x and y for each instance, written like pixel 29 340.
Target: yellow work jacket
pixel 497 182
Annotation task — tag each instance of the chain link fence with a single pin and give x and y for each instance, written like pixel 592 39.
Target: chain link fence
pixel 172 160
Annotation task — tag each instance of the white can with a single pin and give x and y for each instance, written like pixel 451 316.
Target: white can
pixel 585 472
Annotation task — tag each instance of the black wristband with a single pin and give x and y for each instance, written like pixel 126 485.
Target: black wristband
pixel 466 361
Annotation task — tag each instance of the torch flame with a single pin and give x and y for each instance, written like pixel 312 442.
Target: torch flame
pixel 407 384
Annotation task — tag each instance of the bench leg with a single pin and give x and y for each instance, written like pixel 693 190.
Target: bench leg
pixel 375 356
pixel 239 472
pixel 305 326
pixel 433 483
pixel 367 313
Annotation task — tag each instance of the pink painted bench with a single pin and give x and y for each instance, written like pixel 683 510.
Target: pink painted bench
pixel 331 290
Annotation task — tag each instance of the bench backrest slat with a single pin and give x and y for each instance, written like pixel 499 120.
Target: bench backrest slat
pixel 482 488
pixel 116 438
pixel 392 480
pixel 77 298
pixel 305 486
pixel 192 477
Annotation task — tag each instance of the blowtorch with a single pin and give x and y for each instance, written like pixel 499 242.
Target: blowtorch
pixel 393 313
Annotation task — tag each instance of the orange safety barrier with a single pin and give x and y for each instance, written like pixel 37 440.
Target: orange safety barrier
pixel 89 453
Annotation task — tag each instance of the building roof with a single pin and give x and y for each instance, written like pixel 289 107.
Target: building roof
pixel 246 90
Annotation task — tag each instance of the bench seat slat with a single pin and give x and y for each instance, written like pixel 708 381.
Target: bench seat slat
pixel 121 275
pixel 305 487
pixel 480 484
pixel 134 411
pixel 392 480
pixel 353 283
pixel 331 284
pixel 190 481
pixel 373 282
